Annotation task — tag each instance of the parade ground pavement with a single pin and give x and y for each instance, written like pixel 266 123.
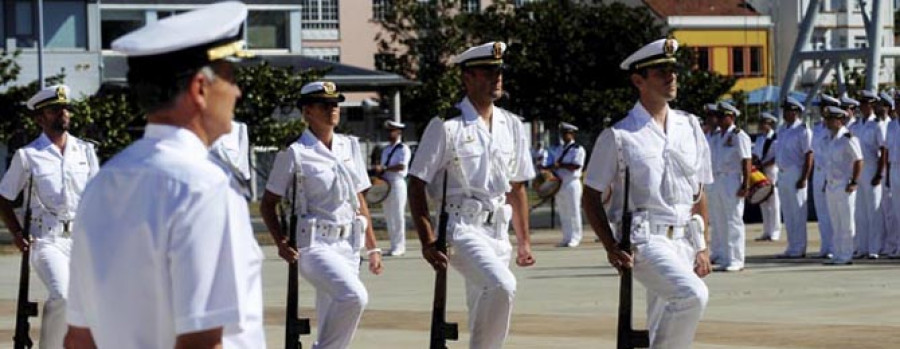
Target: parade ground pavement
pixel 569 299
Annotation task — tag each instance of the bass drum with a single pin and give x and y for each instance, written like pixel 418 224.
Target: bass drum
pixel 378 192
pixel 760 187
pixel 546 184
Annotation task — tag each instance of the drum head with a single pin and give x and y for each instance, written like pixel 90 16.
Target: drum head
pixel 760 194
pixel 548 188
pixel 378 191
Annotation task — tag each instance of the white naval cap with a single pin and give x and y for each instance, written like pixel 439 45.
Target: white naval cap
pixel 51 95
pixel 868 96
pixel 829 101
pixel 769 116
pixel 320 92
pixel 846 101
pixel 711 107
pixel 792 103
pixel 485 55
pixel 726 108
pixel 393 125
pixel 886 99
pixel 661 51
pixel 834 112
pixel 567 127
pixel 161 50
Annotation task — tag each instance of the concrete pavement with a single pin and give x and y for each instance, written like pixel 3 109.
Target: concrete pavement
pixel 569 300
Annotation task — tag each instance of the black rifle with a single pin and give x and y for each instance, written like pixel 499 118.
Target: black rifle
pixel 441 330
pixel 24 308
pixel 294 325
pixel 628 337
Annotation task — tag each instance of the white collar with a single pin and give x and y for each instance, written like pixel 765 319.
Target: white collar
pixel 191 144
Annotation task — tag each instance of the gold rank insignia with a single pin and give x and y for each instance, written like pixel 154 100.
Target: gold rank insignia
pixel 329 87
pixel 61 93
pixel 498 50
pixel 669 47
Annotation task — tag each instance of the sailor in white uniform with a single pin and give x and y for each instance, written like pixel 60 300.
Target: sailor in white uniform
pixel 51 172
pixel 567 164
pixel 869 220
pixel 666 154
pixel 164 254
pixel 843 158
pixel 821 135
pixel 393 168
pixel 764 156
pixel 794 157
pixel 483 156
pixel 731 161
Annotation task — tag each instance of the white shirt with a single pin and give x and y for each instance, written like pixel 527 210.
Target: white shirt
pixel 820 137
pixel 760 144
pixel 490 157
pixel 575 156
pixel 59 179
pixel 235 147
pixel 667 167
pixel 842 151
pixel 163 246
pixel 871 138
pixel 893 142
pixel 401 155
pixel 794 141
pixel 539 157
pixel 728 149
pixel 329 179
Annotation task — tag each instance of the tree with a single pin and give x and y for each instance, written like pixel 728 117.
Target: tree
pixel 563 58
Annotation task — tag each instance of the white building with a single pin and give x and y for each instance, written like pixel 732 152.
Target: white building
pixel 839 24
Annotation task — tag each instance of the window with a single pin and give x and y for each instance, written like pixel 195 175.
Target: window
pixel 324 53
pixel 319 14
pixel 65 23
pixel 703 58
pixel 471 6
pixel 747 61
pixel 114 24
pixel 267 29
pixel 380 9
pixel 860 42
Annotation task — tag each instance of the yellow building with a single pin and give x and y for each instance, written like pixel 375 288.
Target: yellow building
pixel 728 36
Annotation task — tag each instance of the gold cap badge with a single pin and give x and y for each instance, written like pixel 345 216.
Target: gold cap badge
pixel 669 47
pixel 329 87
pixel 498 50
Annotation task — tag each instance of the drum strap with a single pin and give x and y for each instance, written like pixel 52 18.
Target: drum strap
pixel 387 162
pixel 566 151
pixel 766 145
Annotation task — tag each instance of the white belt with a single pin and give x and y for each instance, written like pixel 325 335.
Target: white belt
pixel 479 215
pixel 331 231
pixel 670 231
pixel 52 226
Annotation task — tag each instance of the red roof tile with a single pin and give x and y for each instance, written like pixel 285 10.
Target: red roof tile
pixel 666 8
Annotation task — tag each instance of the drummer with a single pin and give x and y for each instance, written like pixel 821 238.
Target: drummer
pixel 567 163
pixel 730 148
pixel 392 168
pixel 764 158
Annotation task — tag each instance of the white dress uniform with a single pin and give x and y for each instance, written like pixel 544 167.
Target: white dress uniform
pixel 794 142
pixel 163 247
pixel 328 235
pixel 771 208
pixel 235 146
pixel 667 169
pixel 869 219
pixel 569 195
pixel 480 161
pixel 539 158
pixel 728 150
pixel 395 204
pixel 842 151
pixel 892 238
pixel 821 137
pixel 58 179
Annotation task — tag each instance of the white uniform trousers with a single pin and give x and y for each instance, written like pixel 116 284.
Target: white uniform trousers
pixel 50 260
pixel 888 241
pixel 822 212
pixel 332 267
pixel 395 216
pixel 771 208
pixel 794 210
pixel 729 233
pixel 717 235
pixel 893 232
pixel 841 206
pixel 490 286
pixel 676 296
pixel 569 200
pixel 869 222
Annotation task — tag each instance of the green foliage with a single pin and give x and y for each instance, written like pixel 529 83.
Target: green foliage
pixel 562 61
pixel 268 90
pixel 17 127
pixel 111 120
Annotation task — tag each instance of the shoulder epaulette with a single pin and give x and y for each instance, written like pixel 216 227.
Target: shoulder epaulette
pixel 737 130
pixel 93 142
